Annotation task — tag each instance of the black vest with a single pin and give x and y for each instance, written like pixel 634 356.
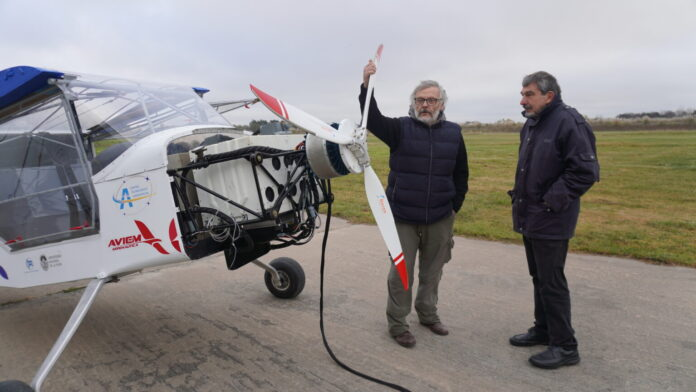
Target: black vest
pixel 421 183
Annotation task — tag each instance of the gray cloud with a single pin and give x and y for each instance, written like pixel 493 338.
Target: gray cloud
pixel 609 56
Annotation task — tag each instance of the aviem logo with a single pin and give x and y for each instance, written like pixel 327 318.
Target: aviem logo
pixel 125 242
pixel 146 237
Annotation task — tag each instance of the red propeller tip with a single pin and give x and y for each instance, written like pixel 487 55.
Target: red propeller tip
pixel 403 274
pixel 400 265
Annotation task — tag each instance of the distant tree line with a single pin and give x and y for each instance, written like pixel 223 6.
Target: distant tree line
pixel 644 121
pixel 265 127
pixel 254 125
pixel 663 114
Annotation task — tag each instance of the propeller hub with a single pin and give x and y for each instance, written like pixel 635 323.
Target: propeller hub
pixel 359 151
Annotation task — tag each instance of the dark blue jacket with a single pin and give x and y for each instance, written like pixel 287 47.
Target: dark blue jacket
pixel 557 164
pixel 429 174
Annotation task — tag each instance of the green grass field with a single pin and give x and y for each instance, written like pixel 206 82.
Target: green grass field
pixel 644 206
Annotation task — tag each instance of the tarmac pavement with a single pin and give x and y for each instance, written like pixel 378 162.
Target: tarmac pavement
pixel 198 327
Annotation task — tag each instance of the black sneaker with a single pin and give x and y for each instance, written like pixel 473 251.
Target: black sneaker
pixel 531 338
pixel 555 357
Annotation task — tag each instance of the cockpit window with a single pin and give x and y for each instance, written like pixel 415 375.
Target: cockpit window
pixel 46 194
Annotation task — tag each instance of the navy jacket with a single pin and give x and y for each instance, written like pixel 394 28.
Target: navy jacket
pixel 557 164
pixel 429 174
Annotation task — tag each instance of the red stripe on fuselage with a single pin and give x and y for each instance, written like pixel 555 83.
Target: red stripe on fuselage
pixel 159 247
pixel 149 238
pixel 173 236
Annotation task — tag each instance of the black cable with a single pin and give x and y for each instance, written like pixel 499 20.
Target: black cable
pixel 321 304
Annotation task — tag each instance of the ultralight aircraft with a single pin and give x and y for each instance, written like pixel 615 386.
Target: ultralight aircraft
pixel 103 177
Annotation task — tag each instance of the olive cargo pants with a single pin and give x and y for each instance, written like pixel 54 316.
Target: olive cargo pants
pixel 433 243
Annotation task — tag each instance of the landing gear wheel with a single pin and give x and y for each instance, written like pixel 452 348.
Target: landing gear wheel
pixel 292 278
pixel 15 386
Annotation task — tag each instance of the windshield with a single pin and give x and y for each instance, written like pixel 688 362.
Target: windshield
pixel 116 110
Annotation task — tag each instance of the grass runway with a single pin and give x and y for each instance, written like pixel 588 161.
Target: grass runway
pixel 644 207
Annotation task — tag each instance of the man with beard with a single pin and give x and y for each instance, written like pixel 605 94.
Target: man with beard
pixel 557 164
pixel 428 181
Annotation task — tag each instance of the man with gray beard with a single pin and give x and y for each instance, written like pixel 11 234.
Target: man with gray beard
pixel 427 183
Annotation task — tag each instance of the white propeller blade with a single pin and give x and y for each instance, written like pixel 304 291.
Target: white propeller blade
pixel 301 119
pixel 357 144
pixel 385 222
pixel 370 87
pixel 375 193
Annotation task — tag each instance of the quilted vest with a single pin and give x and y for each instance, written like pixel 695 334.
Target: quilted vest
pixel 421 186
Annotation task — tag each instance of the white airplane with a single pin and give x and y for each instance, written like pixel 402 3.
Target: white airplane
pixel 102 177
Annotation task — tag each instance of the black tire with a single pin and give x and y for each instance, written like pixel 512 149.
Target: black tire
pixel 15 386
pixel 292 278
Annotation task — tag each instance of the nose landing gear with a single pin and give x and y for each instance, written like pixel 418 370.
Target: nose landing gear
pixel 284 277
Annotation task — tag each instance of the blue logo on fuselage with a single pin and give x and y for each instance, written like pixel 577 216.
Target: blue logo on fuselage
pixel 125 196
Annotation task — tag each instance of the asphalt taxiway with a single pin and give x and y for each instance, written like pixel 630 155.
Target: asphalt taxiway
pixel 198 327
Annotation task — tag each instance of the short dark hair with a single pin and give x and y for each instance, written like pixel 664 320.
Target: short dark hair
pixel 544 81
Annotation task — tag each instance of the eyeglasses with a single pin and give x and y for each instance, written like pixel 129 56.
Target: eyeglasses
pixel 430 101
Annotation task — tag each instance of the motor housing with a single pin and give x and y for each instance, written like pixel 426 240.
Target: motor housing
pixel 328 159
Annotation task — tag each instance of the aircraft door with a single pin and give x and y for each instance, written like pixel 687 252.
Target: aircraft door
pixel 47 195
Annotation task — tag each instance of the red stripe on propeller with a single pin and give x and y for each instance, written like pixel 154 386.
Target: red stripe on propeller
pixel 273 103
pixel 400 265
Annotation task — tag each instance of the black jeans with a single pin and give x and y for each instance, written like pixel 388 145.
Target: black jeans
pixel 546 261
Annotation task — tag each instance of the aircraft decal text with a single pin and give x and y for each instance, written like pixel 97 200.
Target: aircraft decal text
pixel 381 200
pixel 130 241
pixel 145 237
pixel 48 262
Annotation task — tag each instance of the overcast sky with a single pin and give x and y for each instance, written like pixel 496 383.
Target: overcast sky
pixel 609 56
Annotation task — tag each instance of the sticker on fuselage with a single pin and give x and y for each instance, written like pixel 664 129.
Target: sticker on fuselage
pixel 133 195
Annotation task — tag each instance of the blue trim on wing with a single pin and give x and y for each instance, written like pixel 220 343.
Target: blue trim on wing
pixel 200 91
pixel 3 273
pixel 17 83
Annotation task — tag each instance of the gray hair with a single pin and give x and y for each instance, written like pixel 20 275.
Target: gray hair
pixel 544 81
pixel 426 84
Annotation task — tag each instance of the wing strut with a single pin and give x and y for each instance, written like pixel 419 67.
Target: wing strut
pixel 78 314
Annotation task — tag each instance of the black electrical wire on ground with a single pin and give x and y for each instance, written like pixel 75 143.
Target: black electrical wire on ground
pixel 329 201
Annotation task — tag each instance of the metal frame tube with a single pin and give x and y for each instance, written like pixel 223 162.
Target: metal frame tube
pixel 73 323
pixel 269 269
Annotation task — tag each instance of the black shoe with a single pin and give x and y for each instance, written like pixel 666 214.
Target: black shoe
pixel 555 357
pixel 531 338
